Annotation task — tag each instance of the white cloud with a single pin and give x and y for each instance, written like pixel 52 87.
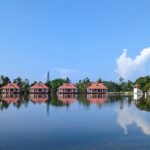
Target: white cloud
pixel 127 66
pixel 128 117
pixel 124 119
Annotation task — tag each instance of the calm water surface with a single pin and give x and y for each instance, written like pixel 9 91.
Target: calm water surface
pixel 74 122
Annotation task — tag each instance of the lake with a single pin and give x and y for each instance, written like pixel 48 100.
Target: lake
pixel 74 122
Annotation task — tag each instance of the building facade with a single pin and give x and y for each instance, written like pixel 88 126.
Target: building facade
pixel 67 88
pixel 97 88
pixel 11 88
pixel 39 88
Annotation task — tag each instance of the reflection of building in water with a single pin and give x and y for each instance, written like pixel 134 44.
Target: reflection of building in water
pixel 97 98
pixel 97 88
pixel 67 88
pixel 38 98
pixel 39 88
pixel 137 96
pixel 10 98
pixel 67 98
pixel 10 88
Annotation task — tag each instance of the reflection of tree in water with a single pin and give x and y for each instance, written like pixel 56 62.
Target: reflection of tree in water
pixel 8 99
pixel 82 99
pixel 4 105
pixel 130 100
pixel 25 100
pixel 56 102
pixel 22 101
pixel 113 99
pixel 143 104
pixel 53 100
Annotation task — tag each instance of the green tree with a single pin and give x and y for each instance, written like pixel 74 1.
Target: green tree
pixel 4 80
pixel 56 83
pixel 68 80
pixel 121 79
pixel 144 83
pixel 112 86
pixel 130 85
pixel 86 80
pixel 83 84
pixel 35 82
pixel 99 80
pixel 25 85
pixel 19 81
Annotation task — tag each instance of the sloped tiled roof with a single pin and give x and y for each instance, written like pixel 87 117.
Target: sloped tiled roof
pixel 11 86
pixel 67 86
pixel 97 86
pixel 39 86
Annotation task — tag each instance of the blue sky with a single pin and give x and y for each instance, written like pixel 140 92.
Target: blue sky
pixel 75 38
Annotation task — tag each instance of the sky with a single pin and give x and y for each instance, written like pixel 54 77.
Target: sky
pixel 75 38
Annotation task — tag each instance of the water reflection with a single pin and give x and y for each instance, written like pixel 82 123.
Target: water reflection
pixel 10 98
pixel 143 104
pixel 84 127
pixel 138 96
pixel 97 98
pixel 39 98
pixel 67 98
pixel 129 116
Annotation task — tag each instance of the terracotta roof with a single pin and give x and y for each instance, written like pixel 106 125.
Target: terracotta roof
pixel 11 86
pixel 39 86
pixel 97 86
pixel 68 86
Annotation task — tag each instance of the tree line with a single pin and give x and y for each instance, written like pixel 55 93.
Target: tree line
pixel 120 86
